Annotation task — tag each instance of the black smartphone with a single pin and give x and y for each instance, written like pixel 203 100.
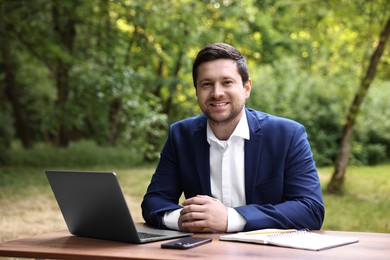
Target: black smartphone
pixel 187 242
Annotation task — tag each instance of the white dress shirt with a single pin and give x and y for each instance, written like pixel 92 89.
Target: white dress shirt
pixel 227 175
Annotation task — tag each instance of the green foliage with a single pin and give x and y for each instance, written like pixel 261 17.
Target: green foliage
pixel 375 154
pixel 283 89
pixel 372 137
pixel 80 155
pixel 125 69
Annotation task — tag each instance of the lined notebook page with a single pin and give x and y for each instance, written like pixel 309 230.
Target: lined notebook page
pixel 301 239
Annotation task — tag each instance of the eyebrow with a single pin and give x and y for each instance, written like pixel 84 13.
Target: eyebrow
pixel 210 79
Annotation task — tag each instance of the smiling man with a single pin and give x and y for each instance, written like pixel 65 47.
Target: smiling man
pixel 239 169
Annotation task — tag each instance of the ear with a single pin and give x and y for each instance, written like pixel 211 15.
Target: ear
pixel 248 88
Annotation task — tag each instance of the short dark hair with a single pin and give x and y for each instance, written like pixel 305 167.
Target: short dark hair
pixel 217 51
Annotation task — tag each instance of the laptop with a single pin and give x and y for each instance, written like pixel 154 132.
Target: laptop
pixel 93 205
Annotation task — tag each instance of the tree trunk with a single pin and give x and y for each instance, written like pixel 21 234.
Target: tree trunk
pixel 61 78
pixel 114 119
pixel 173 85
pixel 337 182
pixel 9 67
pixel 64 26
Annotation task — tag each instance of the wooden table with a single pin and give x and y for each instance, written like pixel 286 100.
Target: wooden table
pixel 62 245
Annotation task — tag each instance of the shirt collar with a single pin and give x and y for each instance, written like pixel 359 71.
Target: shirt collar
pixel 241 130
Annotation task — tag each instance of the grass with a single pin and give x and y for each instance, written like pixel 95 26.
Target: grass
pixel 365 204
pixel 28 207
pixel 81 154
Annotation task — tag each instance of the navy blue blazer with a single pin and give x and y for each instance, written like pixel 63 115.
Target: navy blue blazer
pixel 282 187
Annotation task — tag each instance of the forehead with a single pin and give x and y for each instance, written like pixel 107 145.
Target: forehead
pixel 218 68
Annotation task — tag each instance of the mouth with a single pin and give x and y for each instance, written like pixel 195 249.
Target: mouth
pixel 219 104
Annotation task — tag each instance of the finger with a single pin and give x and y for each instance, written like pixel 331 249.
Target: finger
pixel 193 230
pixel 199 200
pixel 192 208
pixel 190 228
pixel 193 216
pixel 190 201
pixel 204 197
pixel 196 226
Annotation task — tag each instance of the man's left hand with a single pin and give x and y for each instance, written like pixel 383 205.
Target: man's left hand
pixel 203 214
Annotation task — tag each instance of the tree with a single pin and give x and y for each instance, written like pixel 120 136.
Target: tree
pixel 64 26
pixel 51 43
pixel 9 66
pixel 117 72
pixel 338 177
pixel 11 90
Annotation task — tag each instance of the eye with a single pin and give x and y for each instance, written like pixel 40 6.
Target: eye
pixel 228 82
pixel 206 84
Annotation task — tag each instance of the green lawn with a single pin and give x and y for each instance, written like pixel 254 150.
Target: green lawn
pixel 28 207
pixel 365 204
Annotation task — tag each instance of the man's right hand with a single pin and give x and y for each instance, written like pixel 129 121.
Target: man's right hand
pixel 203 214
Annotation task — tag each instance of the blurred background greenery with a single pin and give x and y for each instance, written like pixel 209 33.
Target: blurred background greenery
pixel 118 72
pixel 94 84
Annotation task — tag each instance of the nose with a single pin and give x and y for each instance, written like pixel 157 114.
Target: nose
pixel 217 91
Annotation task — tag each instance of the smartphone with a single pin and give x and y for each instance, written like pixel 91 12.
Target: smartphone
pixel 186 243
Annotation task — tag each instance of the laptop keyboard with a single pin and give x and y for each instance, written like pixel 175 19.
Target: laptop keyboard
pixel 143 235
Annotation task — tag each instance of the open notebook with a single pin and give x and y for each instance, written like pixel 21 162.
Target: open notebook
pixel 300 239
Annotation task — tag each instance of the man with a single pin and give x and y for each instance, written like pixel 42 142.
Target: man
pixel 239 169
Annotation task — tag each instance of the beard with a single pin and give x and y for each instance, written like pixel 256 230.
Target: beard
pixel 232 117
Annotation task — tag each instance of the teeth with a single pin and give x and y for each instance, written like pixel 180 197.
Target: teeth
pixel 219 104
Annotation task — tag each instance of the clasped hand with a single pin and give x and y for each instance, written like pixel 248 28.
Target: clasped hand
pixel 203 214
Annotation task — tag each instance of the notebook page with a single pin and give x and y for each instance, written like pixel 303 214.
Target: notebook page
pixel 309 241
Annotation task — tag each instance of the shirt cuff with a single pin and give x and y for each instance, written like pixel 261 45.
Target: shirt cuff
pixel 236 222
pixel 171 219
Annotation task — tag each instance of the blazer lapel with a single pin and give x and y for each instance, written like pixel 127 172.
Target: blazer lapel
pixel 202 158
pixel 252 156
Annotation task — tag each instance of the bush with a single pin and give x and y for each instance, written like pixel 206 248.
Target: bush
pixel 372 131
pixel 376 154
pixel 85 154
pixel 371 154
pixel 285 91
pixel 320 103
